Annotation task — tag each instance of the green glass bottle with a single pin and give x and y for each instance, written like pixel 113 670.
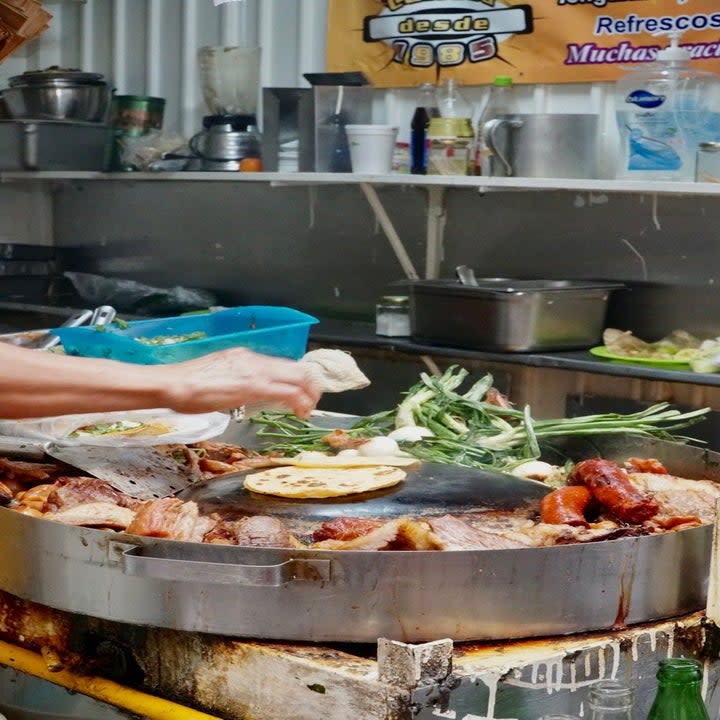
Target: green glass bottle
pixel 678 694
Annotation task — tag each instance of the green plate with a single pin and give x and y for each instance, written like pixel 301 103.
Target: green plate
pixel 603 352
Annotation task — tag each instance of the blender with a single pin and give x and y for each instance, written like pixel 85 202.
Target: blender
pixel 230 80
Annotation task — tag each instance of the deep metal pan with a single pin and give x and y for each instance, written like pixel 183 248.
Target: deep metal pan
pixel 360 596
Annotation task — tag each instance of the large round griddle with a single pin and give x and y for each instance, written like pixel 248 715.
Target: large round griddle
pixel 429 489
pixel 359 596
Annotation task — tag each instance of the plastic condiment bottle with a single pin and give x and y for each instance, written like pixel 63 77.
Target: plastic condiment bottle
pixel 664 110
pixel 610 700
pixel 501 101
pixel 425 109
pixel 678 694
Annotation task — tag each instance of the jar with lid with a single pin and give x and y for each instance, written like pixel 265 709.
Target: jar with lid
pixel 392 316
pixel 451 142
pixel 708 162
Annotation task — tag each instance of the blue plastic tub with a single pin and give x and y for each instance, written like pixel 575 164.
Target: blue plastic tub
pixel 278 331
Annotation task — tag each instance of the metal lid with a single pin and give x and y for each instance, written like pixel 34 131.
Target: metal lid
pixel 56 76
pixel 395 299
pixel 711 147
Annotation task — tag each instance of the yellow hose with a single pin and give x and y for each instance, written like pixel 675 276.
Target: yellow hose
pixel 110 692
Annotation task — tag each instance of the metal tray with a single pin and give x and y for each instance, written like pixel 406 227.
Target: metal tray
pixel 325 596
pixel 509 315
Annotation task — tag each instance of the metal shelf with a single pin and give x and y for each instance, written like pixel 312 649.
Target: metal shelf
pixel 481 184
pixel 355 334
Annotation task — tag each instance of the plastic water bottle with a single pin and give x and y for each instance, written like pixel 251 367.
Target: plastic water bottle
pixel 451 101
pixel 425 110
pixel 501 101
pixel 665 109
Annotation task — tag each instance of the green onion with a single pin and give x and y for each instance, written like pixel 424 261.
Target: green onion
pixel 469 430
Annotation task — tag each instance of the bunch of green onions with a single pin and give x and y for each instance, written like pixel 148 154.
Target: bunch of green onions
pixel 469 430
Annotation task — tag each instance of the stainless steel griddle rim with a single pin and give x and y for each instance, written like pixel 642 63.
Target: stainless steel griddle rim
pixel 193 562
pixel 328 596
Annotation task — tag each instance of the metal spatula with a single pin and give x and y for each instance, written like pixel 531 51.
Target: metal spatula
pixel 142 472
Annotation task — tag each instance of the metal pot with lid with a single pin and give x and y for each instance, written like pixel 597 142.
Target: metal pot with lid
pixel 57 77
pixel 58 94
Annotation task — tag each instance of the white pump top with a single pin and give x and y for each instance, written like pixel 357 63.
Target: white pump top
pixel 673 53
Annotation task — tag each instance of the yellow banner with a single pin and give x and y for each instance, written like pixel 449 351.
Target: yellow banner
pixel 400 43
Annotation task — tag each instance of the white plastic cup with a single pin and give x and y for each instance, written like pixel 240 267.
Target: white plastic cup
pixel 371 148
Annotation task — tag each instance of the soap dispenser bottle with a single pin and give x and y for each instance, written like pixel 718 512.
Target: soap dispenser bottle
pixel 664 110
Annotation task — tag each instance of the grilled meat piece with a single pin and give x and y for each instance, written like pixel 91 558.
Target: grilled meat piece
pixel 603 533
pixel 454 534
pixel 645 465
pixel 6 494
pixel 362 534
pixel 95 514
pixel 72 491
pixel 495 397
pixel 679 496
pixel 223 452
pixel 28 473
pixel 212 468
pixel 182 455
pixel 35 497
pixel 416 535
pixel 340 440
pixel 566 506
pixel 380 538
pixel 257 531
pixel 171 518
pixel 677 522
pixel 345 528
pixel 611 487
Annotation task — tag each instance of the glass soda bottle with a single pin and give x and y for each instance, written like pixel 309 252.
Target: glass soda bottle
pixel 678 694
pixel 425 110
pixel 501 101
pixel 610 700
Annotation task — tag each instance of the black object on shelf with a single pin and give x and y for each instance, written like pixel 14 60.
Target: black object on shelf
pixel 350 79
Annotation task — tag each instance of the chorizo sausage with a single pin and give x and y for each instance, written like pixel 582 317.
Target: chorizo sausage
pixel 610 486
pixel 566 506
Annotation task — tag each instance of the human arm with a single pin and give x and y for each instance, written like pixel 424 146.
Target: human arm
pixel 38 384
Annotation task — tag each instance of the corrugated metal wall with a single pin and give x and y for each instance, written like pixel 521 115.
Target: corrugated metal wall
pixel 149 47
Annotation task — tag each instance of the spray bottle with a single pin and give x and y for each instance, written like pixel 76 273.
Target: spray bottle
pixel 664 110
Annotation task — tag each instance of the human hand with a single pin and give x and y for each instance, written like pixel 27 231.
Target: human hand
pixel 236 377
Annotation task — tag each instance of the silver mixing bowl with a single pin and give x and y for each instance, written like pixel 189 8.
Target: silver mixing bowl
pixel 58 94
pixel 87 103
